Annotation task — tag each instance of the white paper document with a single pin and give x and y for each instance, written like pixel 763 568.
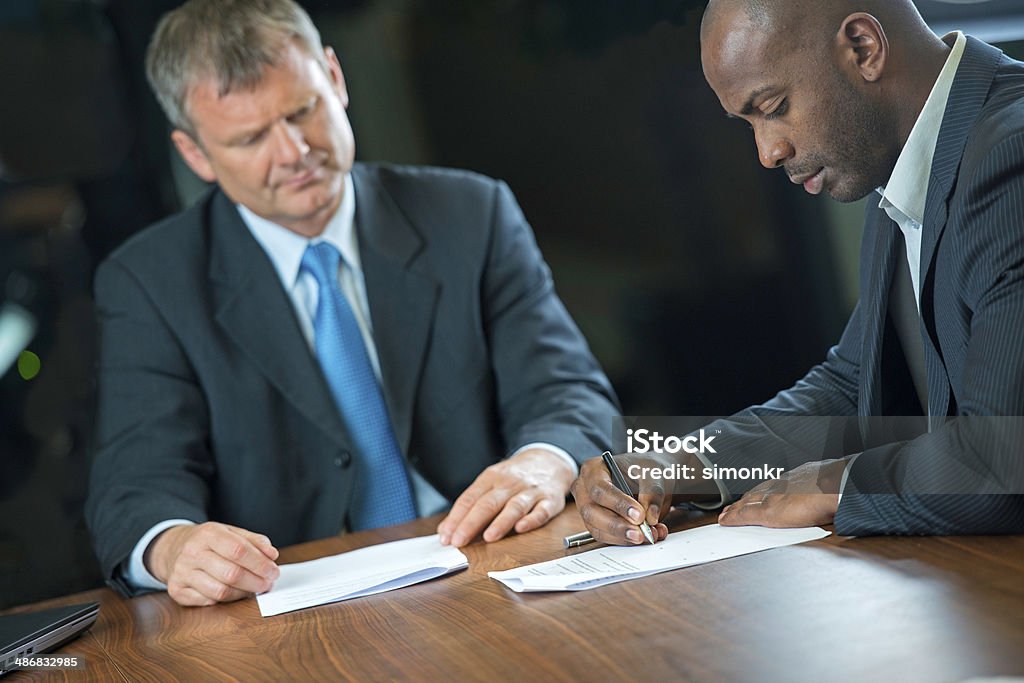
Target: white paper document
pixel 622 563
pixel 354 574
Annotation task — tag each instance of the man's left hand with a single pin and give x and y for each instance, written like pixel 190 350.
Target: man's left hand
pixel 520 493
pixel 805 496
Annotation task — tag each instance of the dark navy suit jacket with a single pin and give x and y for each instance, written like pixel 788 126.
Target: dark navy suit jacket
pixel 963 473
pixel 212 407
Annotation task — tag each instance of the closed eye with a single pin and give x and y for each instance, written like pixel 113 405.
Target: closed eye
pixel 254 138
pixel 778 111
pixel 304 111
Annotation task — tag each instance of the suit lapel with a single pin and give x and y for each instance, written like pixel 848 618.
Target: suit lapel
pixel 256 313
pixel 402 301
pixel 970 90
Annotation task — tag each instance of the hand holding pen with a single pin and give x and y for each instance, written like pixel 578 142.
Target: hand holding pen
pixel 620 483
pixel 611 514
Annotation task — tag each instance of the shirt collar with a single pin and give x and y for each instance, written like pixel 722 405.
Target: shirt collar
pixel 907 189
pixel 286 247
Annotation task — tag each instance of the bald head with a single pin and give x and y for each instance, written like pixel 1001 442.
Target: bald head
pixel 789 15
pixel 809 27
pixel 831 89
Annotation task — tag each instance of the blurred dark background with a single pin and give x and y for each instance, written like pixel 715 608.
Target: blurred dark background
pixel 674 250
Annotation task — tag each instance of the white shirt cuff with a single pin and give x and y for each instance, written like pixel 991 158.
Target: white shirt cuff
pixel 135 571
pixel 846 475
pixel 553 449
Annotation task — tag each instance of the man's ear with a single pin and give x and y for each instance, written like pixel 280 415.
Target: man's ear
pixel 863 45
pixel 193 155
pixel 337 77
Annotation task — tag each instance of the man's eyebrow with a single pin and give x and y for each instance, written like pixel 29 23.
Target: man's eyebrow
pixel 748 108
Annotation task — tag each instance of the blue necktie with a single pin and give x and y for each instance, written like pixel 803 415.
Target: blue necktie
pixel 382 495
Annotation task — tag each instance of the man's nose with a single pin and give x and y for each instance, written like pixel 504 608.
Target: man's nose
pixel 290 145
pixel 773 151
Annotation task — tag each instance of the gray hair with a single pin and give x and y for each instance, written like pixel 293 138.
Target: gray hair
pixel 229 41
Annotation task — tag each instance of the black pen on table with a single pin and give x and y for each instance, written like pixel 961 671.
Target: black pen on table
pixel 619 480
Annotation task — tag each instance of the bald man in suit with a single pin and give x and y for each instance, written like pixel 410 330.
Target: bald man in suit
pixel 859 98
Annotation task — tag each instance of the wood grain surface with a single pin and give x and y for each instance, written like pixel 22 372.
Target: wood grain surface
pixel 839 609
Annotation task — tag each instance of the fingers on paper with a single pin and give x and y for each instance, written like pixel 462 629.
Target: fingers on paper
pixel 238 548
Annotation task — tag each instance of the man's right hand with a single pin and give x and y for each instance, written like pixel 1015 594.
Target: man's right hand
pixel 612 517
pixel 204 564
pixel 609 514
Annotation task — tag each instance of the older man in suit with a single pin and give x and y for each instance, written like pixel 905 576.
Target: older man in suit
pixel 318 345
pixel 857 98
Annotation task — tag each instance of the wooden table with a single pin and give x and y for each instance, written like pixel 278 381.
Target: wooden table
pixel 840 609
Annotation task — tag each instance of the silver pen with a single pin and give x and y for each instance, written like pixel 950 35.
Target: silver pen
pixel 576 540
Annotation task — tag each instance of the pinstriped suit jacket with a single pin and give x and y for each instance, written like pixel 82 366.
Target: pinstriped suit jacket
pixel 972 307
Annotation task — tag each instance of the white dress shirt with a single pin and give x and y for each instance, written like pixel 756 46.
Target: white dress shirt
pixel 285 249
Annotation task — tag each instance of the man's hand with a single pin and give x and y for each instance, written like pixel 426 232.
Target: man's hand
pixel 609 514
pixel 805 496
pixel 523 493
pixel 210 563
